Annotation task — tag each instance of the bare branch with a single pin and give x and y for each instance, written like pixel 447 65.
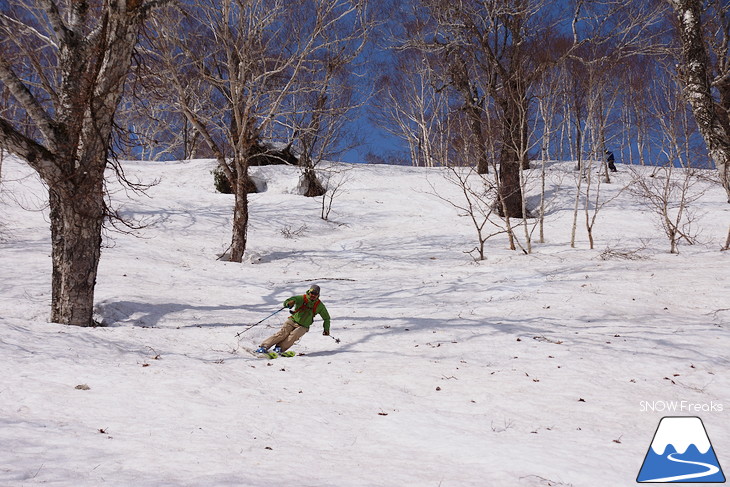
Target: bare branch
pixel 30 103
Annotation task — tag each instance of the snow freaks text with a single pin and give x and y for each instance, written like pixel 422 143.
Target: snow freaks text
pixel 680 407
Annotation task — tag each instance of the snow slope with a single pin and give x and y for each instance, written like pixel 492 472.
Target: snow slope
pixel 552 368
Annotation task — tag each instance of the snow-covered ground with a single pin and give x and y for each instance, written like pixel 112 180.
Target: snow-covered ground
pixel 548 369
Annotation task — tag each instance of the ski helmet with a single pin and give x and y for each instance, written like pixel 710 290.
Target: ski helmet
pixel 313 289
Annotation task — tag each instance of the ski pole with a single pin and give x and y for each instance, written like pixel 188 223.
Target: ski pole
pixel 272 314
pixel 337 340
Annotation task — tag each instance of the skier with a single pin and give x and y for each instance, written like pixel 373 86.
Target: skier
pixel 610 160
pixel 305 307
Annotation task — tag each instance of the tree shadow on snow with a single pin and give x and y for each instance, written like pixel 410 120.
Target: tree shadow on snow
pixel 183 315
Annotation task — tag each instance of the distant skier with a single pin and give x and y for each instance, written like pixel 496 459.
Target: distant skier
pixel 303 309
pixel 611 161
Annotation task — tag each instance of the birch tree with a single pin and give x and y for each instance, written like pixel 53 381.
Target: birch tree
pixel 325 94
pixel 234 64
pixel 64 63
pixel 412 107
pixel 701 78
pixel 486 53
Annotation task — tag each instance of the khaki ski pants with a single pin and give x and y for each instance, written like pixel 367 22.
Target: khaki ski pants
pixel 289 333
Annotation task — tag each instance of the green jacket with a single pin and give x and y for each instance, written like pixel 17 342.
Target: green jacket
pixel 303 311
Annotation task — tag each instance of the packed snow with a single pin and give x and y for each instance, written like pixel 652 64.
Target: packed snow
pixel 545 369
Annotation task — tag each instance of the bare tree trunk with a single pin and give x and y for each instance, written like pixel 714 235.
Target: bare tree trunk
pixel 472 106
pixel 542 200
pixel 510 159
pixel 510 193
pixel 314 187
pixel 524 140
pixel 311 133
pixel 576 205
pixel 77 217
pixel 80 84
pixel 695 71
pixel 240 212
pixel 480 145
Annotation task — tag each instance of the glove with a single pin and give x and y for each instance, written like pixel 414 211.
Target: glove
pixel 326 333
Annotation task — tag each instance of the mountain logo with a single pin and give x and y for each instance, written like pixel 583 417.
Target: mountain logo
pixel 681 452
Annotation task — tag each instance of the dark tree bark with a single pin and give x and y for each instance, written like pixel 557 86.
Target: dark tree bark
pixel 239 237
pixel 473 106
pixel 511 153
pixel 72 122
